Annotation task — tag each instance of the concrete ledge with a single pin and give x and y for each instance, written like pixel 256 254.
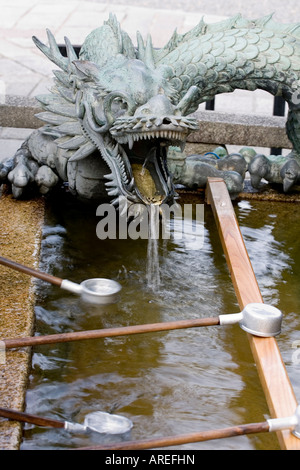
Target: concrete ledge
pixel 240 129
pixel 20 236
pixel 220 128
pixel 19 111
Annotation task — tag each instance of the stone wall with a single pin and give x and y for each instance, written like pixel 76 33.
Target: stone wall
pixel 20 236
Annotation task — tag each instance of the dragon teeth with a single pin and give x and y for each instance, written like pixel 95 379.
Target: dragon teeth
pixel 110 176
pixel 130 141
pixel 134 137
pixel 113 192
pixel 110 184
pixel 131 184
pixel 115 202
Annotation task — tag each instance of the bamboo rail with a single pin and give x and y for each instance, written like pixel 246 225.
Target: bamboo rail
pixel 271 369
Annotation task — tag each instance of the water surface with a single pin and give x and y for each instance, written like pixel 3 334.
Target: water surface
pixel 170 382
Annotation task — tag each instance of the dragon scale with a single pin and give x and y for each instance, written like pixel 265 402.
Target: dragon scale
pixel 246 55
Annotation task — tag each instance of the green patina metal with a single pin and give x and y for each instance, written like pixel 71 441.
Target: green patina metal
pixel 116 109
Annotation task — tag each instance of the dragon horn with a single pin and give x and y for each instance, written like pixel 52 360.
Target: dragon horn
pixel 53 53
pixel 149 53
pixel 141 46
pixel 146 54
pixel 71 54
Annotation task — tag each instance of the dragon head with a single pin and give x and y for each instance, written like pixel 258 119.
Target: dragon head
pixel 130 117
pixel 127 108
pixel 144 138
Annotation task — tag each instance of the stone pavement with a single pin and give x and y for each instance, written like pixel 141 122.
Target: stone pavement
pixel 25 71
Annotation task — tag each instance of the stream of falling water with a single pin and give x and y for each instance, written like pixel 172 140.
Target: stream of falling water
pixel 153 272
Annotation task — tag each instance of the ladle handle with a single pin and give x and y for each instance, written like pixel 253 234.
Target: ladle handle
pixel 109 332
pixel 32 272
pixel 29 418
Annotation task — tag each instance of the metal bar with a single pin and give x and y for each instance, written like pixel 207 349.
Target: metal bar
pixel 278 110
pixel 210 105
pixel 63 49
pixel 279 106
pixel 278 390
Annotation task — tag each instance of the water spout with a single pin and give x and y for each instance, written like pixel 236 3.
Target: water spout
pixel 153 272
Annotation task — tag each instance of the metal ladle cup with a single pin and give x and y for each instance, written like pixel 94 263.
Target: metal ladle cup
pixel 105 423
pixel 98 291
pixel 259 319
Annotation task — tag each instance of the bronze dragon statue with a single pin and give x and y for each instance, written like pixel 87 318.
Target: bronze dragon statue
pixel 114 111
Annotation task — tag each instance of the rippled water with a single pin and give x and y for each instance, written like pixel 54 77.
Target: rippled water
pixel 171 382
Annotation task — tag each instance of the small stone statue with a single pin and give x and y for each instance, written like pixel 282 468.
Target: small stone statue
pixel 274 169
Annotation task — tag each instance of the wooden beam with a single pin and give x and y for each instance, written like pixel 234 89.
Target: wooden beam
pixel 278 390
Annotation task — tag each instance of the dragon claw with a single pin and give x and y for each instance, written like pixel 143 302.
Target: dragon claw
pixel 46 179
pixel 20 176
pixel 5 168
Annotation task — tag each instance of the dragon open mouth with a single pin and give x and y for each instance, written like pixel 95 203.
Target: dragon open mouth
pixel 144 143
pixel 148 165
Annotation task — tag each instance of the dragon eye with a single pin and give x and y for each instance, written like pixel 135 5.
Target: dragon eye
pixel 118 106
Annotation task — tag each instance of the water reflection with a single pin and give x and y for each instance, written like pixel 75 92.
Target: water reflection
pixel 169 382
pixel 268 254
